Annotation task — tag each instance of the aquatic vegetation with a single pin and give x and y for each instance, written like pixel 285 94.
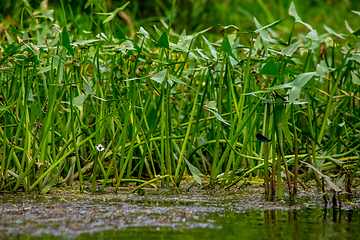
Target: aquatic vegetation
pixel 111 108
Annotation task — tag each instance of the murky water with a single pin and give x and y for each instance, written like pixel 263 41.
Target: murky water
pixel 168 215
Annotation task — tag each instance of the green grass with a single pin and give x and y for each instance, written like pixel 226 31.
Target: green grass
pixel 106 107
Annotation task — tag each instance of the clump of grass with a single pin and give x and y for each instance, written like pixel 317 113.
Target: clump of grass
pixel 162 105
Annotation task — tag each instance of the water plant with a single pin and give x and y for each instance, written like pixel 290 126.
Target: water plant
pixel 161 105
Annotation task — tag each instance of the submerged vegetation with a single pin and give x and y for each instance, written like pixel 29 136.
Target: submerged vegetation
pixel 107 108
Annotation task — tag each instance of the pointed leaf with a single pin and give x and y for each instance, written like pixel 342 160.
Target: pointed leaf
pixel 293 13
pixel 296 85
pixel 38 37
pixel 8 37
pixel 119 33
pixel 214 53
pixel 226 47
pixel 65 41
pixel 194 171
pixel 355 79
pixel 356 12
pixel 87 87
pixel 289 51
pixel 114 13
pixel 268 26
pixel 163 41
pixel 142 31
pixel 160 76
pixel 356 33
pixel 44 69
pixel 299 82
pixel 78 101
pixel 327 179
pixel 265 100
pixel 270 69
pixel 218 116
pixel 331 31
pixel 313 35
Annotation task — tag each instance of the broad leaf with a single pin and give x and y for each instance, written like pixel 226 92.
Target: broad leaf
pixel 65 41
pixel 356 33
pixel 355 79
pixel 143 32
pixel 119 33
pixel 289 51
pixel 213 52
pixel 293 13
pixel 331 31
pixel 270 69
pixel 163 41
pixel 296 85
pixel 226 47
pixel 160 76
pixel 194 171
pixel 78 101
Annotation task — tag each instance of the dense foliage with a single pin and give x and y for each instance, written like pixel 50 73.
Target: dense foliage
pixel 151 106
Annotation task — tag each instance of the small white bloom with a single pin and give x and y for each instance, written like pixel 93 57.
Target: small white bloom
pixel 100 147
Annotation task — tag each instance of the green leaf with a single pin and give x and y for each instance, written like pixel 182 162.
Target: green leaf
pixel 293 13
pixel 65 41
pixel 218 116
pixel 61 64
pixel 312 35
pixel 114 13
pixel 8 37
pixel 31 95
pixel 76 24
pixel 175 79
pixel 14 30
pixel 265 100
pixel 322 69
pixel 87 87
pixel 356 33
pixel 296 85
pixel 48 15
pixel 226 47
pixel 12 48
pixel 78 101
pixel 270 69
pixel 160 76
pixel 38 37
pixel 268 26
pixel 289 51
pixel 327 179
pixel 194 171
pixel 163 41
pixel 210 47
pixel 119 33
pixel 331 31
pixel 355 79
pixel 142 31
pixel 84 42
pixel 299 82
pixel 44 69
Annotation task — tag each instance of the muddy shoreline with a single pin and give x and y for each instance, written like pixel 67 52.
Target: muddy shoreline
pixel 66 212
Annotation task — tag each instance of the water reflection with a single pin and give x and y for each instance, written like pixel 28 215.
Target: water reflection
pixel 145 221
pixel 312 223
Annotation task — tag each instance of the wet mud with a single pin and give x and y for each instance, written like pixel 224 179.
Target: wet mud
pixel 67 214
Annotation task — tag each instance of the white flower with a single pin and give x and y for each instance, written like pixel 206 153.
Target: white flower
pixel 100 147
